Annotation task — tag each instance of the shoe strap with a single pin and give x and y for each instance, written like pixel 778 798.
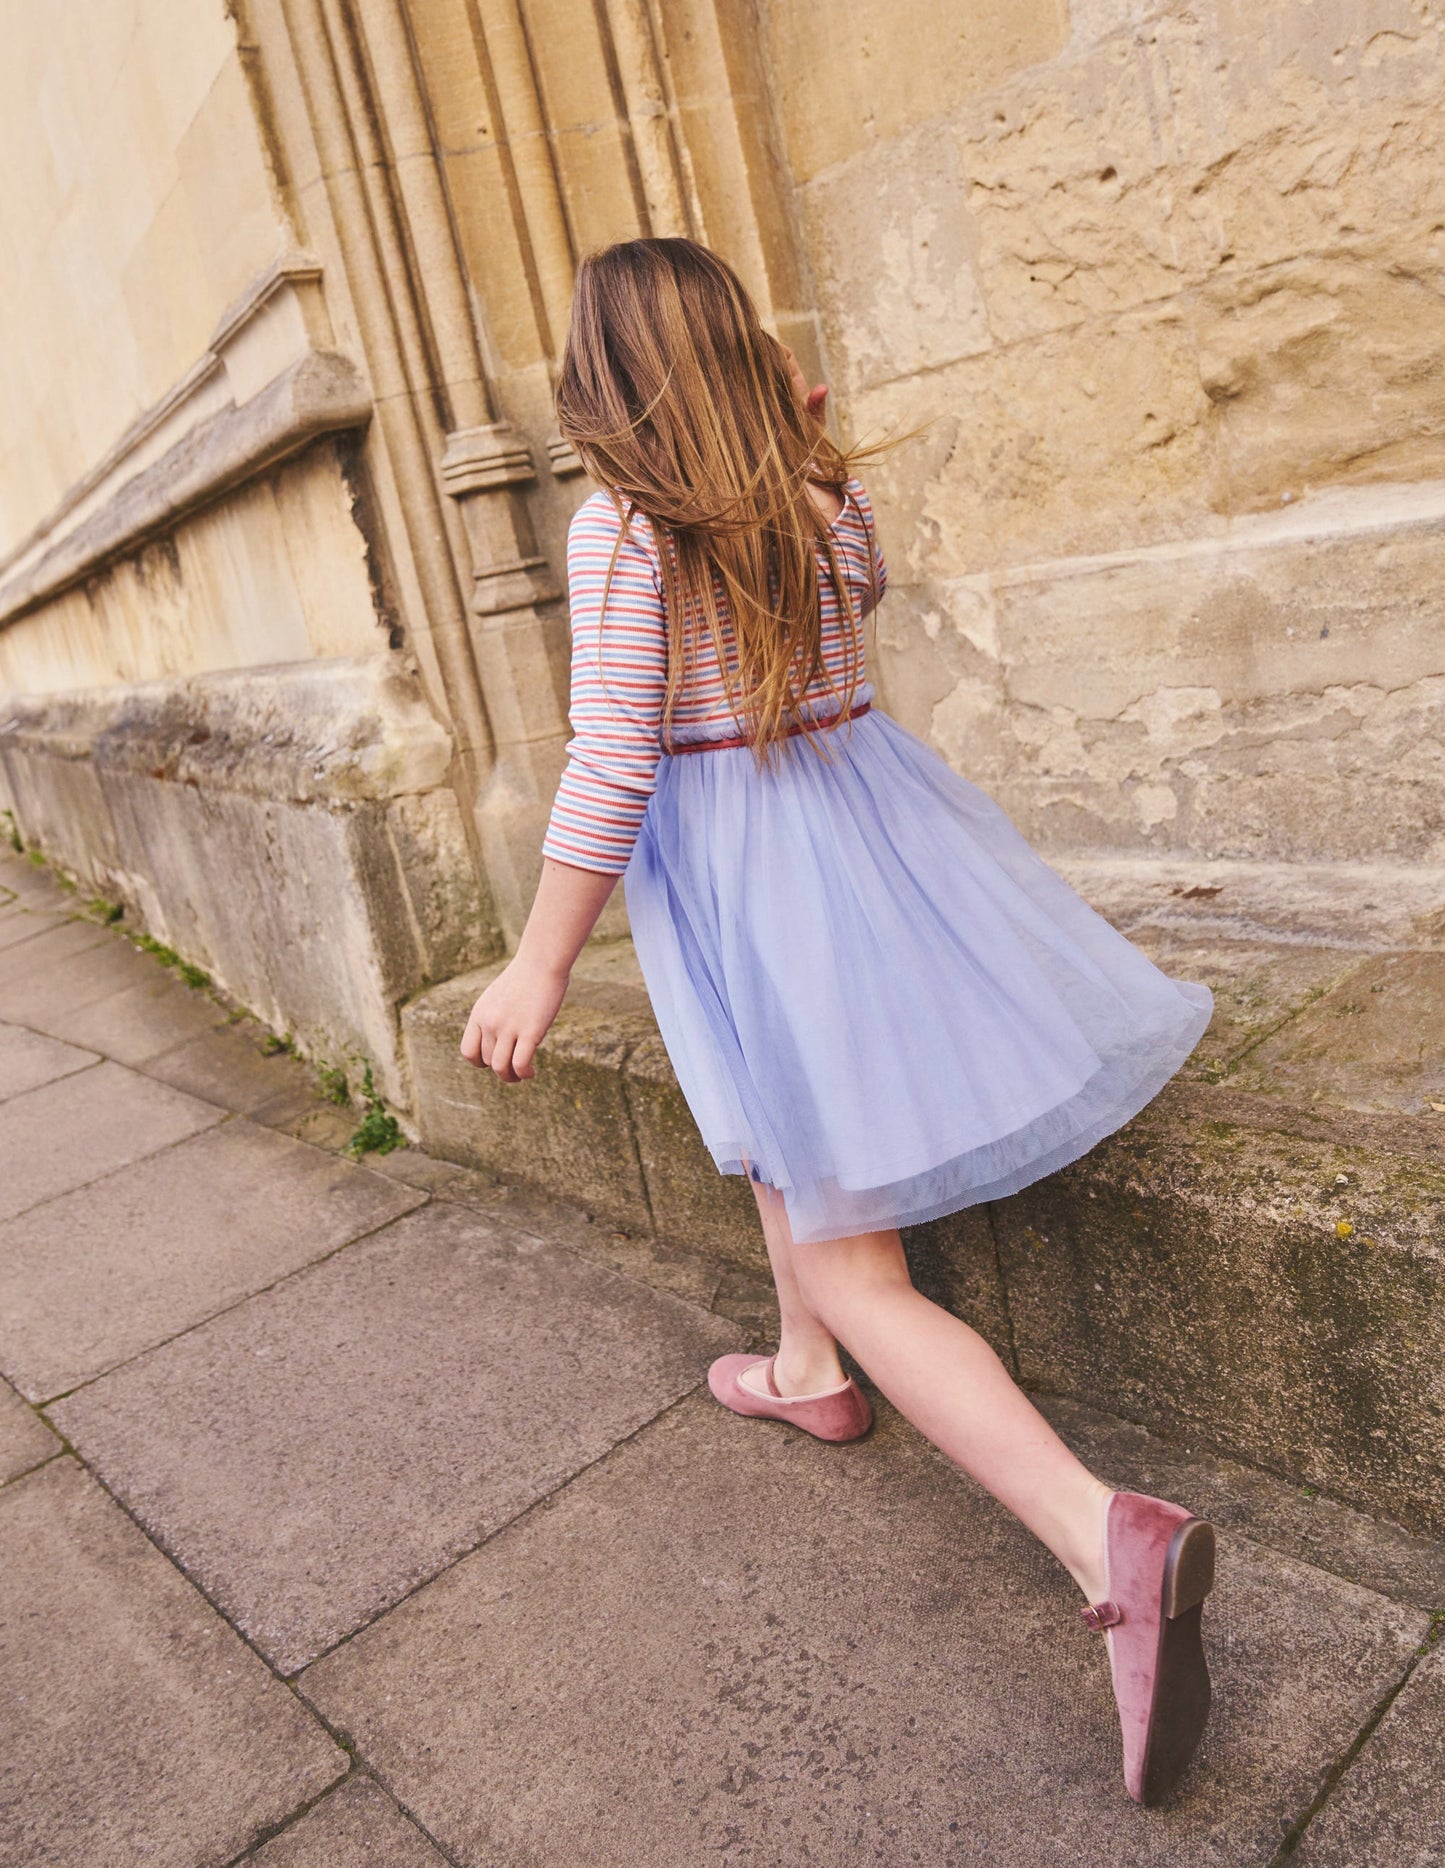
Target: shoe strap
pixel 1101 1615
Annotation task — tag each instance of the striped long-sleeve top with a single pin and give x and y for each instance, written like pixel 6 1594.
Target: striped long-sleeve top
pixel 617 693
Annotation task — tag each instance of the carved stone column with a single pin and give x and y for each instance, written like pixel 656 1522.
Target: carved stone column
pixel 519 639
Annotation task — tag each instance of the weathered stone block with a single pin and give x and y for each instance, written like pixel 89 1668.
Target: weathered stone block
pixel 291 832
pixel 568 1129
pixel 955 1262
pixel 843 97
pixel 1278 1297
pixel 907 298
pixel 1376 1042
pixel 1268 693
pixel 690 1201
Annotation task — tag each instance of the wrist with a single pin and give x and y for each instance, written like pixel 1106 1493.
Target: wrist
pixel 532 957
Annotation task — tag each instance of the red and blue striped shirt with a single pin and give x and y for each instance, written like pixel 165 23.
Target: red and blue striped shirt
pixel 619 673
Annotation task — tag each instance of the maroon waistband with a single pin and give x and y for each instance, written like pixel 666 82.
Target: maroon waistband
pixel 789 732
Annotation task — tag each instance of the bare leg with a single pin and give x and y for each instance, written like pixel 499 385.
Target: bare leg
pixel 942 1376
pixel 807 1359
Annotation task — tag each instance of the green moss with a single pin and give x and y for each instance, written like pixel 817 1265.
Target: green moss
pixel 194 976
pixel 156 949
pixel 12 832
pixel 36 858
pixel 275 1045
pixel 103 910
pixel 334 1086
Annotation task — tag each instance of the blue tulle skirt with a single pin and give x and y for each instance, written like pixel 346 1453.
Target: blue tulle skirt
pixel 877 998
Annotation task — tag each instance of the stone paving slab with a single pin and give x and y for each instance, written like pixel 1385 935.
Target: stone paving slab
pixel 316 1452
pixel 25 1440
pixel 228 1066
pixel 33 884
pixel 19 925
pixel 357 1826
pixel 137 1023
pixel 1388 1811
pixel 35 960
pixel 139 1729
pixel 53 995
pixel 96 1276
pixel 728 1641
pixel 28 1060
pixel 69 1133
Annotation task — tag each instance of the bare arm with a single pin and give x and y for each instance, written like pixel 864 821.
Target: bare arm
pixel 512 1016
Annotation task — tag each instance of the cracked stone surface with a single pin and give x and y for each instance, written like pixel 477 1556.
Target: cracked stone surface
pixel 811 1654
pixel 100 1274
pixel 139 1728
pixel 25 1439
pixel 28 1060
pixel 315 1453
pixel 68 1133
pixel 1389 1812
pixel 568 1610
pixel 357 1826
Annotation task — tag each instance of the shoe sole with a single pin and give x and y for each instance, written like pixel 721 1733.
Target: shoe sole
pixel 781 1420
pixel 1179 1708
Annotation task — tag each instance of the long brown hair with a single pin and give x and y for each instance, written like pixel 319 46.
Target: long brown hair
pixel 681 405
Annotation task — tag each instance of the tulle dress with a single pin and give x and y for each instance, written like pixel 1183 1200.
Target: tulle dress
pixel 876 996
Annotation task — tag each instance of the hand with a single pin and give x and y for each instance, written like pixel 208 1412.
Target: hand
pixel 811 399
pixel 511 1018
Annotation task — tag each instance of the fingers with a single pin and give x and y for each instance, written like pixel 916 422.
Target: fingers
pixel 479 1043
pixel 522 1056
pixel 509 1055
pixel 501 1048
pixel 501 1058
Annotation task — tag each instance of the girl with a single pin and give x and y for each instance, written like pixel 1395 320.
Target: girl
pixel 881 1005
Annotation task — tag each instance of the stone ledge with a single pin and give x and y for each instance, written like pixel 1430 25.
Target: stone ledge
pixel 289 830
pixel 1263 1270
pixel 320 393
pixel 339 731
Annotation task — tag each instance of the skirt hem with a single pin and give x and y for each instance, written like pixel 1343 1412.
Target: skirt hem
pixel 1088 1135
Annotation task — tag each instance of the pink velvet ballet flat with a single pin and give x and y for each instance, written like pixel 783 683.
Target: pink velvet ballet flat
pixel 1158 1568
pixel 839 1413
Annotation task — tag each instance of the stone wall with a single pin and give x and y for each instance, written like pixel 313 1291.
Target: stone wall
pixel 213 709
pixel 1167 286
pixel 137 208
pixel 1163 290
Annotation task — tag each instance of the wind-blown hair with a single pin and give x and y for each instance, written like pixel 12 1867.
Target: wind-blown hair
pixel 681 405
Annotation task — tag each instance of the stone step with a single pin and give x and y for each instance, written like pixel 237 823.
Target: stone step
pixel 1257 1261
